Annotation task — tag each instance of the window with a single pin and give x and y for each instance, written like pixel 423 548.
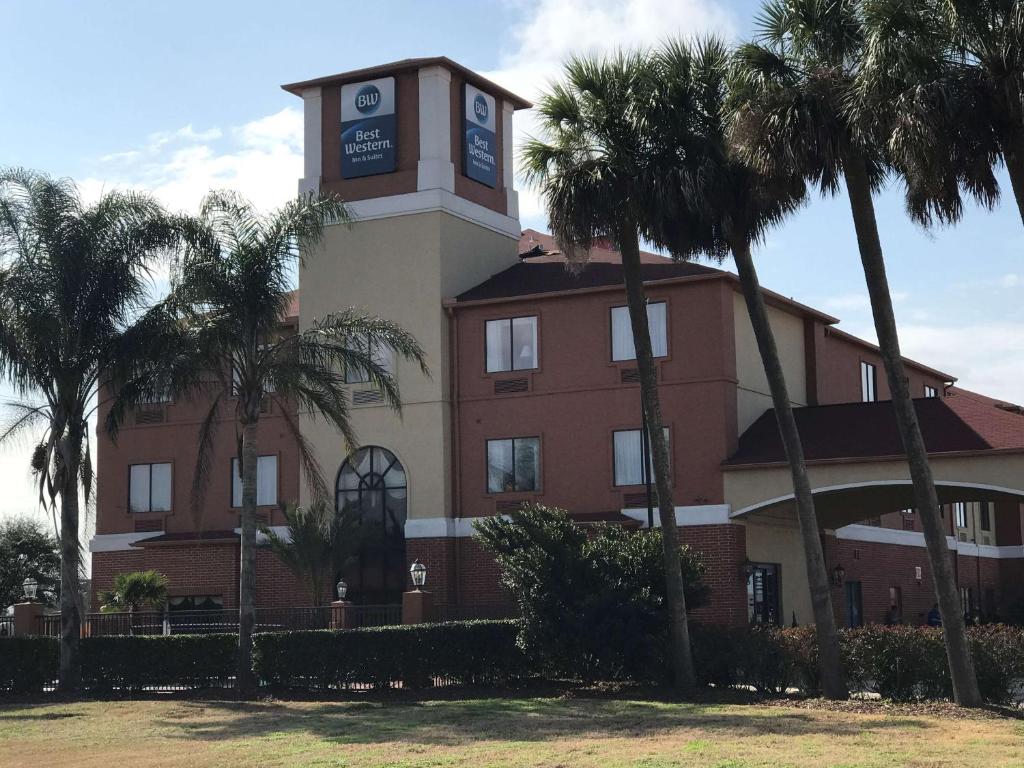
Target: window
pixel 380 354
pixel 627 450
pixel 622 332
pixel 930 391
pixel 149 487
pixel 960 514
pixel 854 604
pixel 763 604
pixel 511 344
pixel 513 465
pixel 266 482
pixel 985 516
pixel 895 615
pixel 868 383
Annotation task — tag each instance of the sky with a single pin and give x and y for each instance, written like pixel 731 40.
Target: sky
pixel 182 97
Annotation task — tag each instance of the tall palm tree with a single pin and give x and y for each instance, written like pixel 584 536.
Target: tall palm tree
pixel 948 77
pixel 73 279
pixel 221 340
pixel 796 109
pixel 598 178
pixel 724 207
pixel 134 591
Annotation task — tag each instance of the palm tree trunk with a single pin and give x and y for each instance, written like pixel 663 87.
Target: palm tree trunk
pixel 245 680
pixel 833 683
pixel 70 673
pixel 961 665
pixel 679 634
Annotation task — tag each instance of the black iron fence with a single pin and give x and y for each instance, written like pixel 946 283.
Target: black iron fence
pixel 6 626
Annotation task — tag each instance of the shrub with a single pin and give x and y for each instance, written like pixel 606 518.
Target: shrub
pixel 592 599
pixel 468 652
pixel 898 663
pixel 127 663
pixel 27 664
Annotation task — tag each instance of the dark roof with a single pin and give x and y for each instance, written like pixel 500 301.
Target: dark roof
pixel 198 537
pixel 549 273
pixel 961 421
pixel 406 64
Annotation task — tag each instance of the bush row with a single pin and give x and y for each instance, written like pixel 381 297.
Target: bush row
pixel 468 652
pixel 471 652
pixel 899 663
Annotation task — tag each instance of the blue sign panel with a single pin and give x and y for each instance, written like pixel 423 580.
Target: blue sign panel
pixel 368 136
pixel 480 143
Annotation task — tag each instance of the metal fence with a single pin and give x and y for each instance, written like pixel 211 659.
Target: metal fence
pixel 6 626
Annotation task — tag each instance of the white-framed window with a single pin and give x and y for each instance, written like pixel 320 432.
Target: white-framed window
pixel 868 382
pixel 930 391
pixel 627 450
pixel 381 355
pixel 960 514
pixel 149 487
pixel 266 482
pixel 513 464
pixel 622 331
pixel 511 344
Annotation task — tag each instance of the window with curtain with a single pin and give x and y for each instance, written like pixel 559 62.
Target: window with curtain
pixel 622 331
pixel 513 465
pixel 628 453
pixel 266 482
pixel 930 391
pixel 149 487
pixel 960 513
pixel 511 344
pixel 381 355
pixel 868 383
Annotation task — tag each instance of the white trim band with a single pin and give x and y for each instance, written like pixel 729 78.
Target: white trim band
pixel 895 536
pixel 704 514
pixel 437 199
pixel 119 542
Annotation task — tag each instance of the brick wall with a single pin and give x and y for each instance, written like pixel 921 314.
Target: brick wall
pixel 724 548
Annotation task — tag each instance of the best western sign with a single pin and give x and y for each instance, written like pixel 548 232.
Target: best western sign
pixel 368 136
pixel 480 145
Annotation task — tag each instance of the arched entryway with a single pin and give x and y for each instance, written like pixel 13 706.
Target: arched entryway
pixel 372 483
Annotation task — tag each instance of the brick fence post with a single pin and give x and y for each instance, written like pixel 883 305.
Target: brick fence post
pixel 26 618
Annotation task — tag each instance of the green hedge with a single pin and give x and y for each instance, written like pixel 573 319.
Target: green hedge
pixel 899 663
pixel 123 663
pixel 469 652
pixel 27 664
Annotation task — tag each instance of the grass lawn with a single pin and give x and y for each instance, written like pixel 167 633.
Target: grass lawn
pixel 572 732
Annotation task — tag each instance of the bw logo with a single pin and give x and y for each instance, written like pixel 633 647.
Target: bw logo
pixel 368 99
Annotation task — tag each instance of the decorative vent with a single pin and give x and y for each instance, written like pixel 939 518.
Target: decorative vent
pixel 504 507
pixel 367 397
pixel 147 526
pixel 639 500
pixel 962 536
pixel 509 386
pixel 908 523
pixel 630 375
pixel 262 518
pixel 986 540
pixel 856 554
pixel 150 416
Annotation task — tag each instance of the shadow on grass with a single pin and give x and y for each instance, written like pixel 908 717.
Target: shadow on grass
pixel 524 720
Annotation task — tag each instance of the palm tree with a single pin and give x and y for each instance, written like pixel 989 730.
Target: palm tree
pixel 596 173
pixel 951 74
pixel 320 544
pixel 795 96
pixel 134 591
pixel 725 206
pixel 73 278
pixel 221 340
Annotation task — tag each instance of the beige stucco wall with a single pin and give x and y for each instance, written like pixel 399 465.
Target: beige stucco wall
pixel 401 268
pixel 778 541
pixel 884 485
pixel 753 396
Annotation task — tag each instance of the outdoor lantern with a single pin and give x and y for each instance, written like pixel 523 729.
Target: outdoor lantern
pixel 342 589
pixel 838 575
pixel 30 586
pixel 418 571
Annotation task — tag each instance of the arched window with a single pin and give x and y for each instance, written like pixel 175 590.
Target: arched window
pixel 372 484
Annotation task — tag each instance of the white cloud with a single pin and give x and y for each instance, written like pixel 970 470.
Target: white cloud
pixel 858 302
pixel 555 29
pixel 1011 280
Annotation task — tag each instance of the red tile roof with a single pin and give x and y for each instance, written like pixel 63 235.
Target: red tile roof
pixel 547 272
pixel 962 421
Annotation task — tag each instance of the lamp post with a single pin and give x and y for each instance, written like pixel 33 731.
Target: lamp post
pixel 342 589
pixel 418 573
pixel 30 587
pixel 838 576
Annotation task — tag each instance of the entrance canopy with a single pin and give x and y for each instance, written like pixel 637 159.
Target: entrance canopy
pixel 856 463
